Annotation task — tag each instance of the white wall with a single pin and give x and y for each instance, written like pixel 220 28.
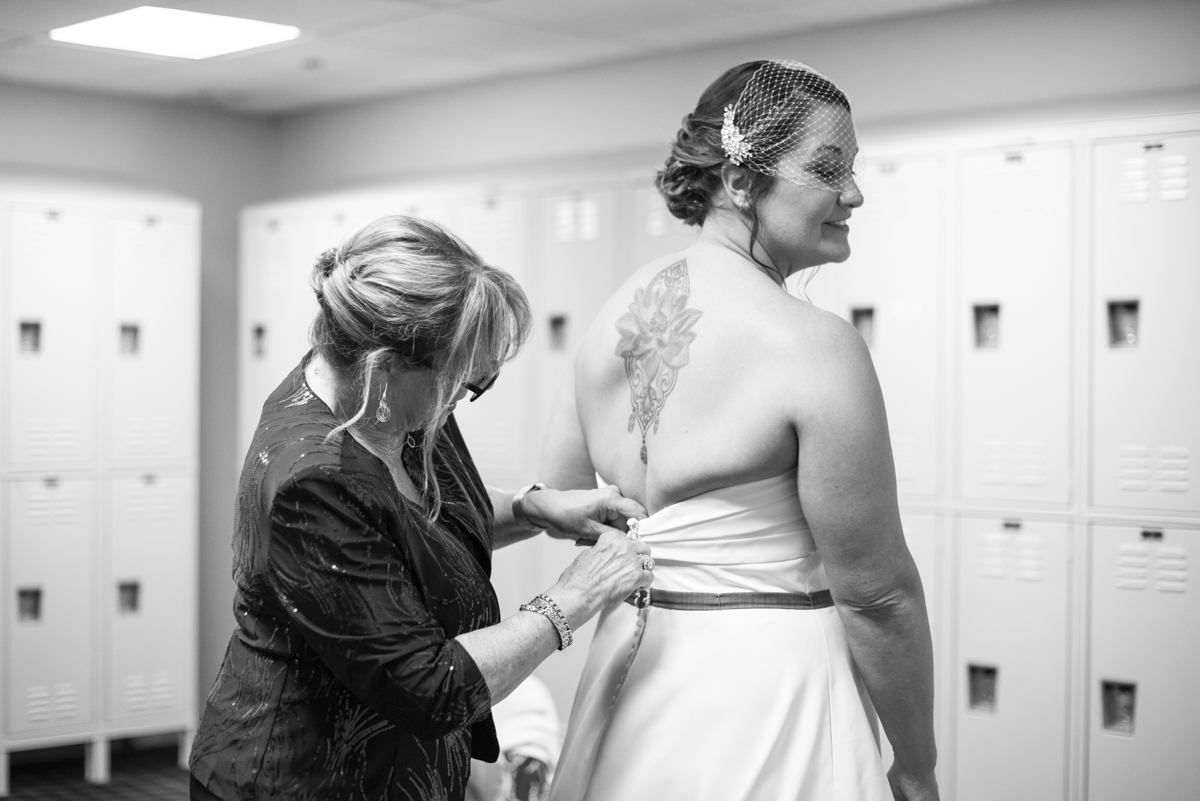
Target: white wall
pixel 220 160
pixel 1049 55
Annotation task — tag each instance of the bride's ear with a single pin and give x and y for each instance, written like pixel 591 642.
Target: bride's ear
pixel 737 182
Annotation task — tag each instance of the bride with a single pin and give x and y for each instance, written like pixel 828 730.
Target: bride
pixel 786 611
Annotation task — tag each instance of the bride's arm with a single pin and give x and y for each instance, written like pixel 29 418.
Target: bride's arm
pixel 847 487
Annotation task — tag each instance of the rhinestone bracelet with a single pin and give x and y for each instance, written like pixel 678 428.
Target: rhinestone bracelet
pixel 545 607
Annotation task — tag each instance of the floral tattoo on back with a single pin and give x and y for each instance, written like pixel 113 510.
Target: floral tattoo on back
pixel 655 335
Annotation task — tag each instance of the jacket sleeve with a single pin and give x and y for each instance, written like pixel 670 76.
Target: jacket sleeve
pixel 349 592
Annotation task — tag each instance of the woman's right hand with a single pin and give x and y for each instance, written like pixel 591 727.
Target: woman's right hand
pixel 602 575
pixel 907 787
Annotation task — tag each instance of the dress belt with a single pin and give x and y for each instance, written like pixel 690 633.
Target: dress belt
pixel 697 601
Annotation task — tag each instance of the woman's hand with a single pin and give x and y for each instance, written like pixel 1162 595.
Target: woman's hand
pixel 581 515
pixel 906 787
pixel 606 573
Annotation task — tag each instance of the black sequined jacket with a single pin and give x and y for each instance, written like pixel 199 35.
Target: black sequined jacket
pixel 343 679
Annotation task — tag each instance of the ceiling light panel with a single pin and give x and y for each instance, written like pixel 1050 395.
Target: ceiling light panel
pixel 175 33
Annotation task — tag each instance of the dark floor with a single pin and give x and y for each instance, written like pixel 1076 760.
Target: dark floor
pixel 137 775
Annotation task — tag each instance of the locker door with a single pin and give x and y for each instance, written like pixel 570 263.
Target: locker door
pixel 50 653
pixel 651 230
pixel 149 582
pixel 51 296
pixel 577 264
pixel 1145 330
pixel 890 293
pixel 1012 660
pixel 1015 262
pixel 279 250
pixel 151 338
pixel 1145 657
pixel 499 428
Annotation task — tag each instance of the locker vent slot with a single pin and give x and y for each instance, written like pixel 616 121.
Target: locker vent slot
pixel 1029 558
pixel 137 693
pixel 987 326
pixel 993 555
pixel 37 508
pixel 66 442
pixel 66 508
pixel 564 221
pixel 31 337
pixel 148 436
pixel 66 701
pixel 38 704
pixel 1170 570
pixel 1173 468
pixel 130 335
pixel 38 439
pixel 162 690
pixel 589 219
pixel 1133 468
pixel 1123 321
pixel 1133 567
pixel 1119 701
pixel 558 332
pixel 981 687
pixel 128 597
pixel 1135 180
pixel 1173 177
pixel 1031 465
pixel 259 345
pixel 148 500
pixel 29 605
pixel 864 320
pixel 995 461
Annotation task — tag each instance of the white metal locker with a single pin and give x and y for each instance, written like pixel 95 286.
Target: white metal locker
pixel 500 428
pixel 151 337
pixel 51 649
pixel 1145 329
pixel 889 291
pixel 278 252
pixel 52 258
pixel 149 579
pixel 650 229
pixel 577 263
pixel 1012 659
pixel 1145 657
pixel 1014 257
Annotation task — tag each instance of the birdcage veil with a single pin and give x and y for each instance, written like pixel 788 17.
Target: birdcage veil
pixel 790 121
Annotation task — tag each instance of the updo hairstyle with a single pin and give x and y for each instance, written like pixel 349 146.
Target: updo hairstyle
pixel 405 292
pixel 690 181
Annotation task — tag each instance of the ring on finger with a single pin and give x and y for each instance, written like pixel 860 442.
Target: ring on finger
pixel 647 562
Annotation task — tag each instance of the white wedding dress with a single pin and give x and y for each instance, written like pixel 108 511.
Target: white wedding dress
pixel 728 704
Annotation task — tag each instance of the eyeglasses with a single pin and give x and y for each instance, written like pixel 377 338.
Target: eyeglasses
pixel 477 390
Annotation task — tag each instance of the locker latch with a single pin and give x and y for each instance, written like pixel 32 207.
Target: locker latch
pixel 1119 700
pixel 31 336
pixel 987 326
pixel 128 597
pixel 1123 319
pixel 981 687
pixel 29 604
pixel 130 335
pixel 863 319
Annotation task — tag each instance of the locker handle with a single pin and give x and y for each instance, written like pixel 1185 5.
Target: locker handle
pixel 1011 524
pixel 987 326
pixel 259 333
pixel 1123 323
pixel 1119 700
pixel 31 336
pixel 981 687
pixel 558 332
pixel 128 597
pixel 863 318
pixel 29 604
pixel 130 338
pixel 1152 534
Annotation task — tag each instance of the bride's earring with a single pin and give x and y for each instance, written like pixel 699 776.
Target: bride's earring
pixel 384 412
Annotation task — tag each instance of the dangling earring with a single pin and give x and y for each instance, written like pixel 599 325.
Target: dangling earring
pixel 384 412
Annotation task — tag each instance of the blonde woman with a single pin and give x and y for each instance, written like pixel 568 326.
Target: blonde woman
pixel 369 645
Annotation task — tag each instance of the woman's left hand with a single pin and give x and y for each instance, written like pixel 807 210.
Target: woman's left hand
pixel 581 515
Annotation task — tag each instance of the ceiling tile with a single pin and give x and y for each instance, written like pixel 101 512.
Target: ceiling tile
pixel 310 16
pixel 36 58
pixel 39 16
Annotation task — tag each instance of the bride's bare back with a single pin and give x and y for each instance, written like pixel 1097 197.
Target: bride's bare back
pixel 697 374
